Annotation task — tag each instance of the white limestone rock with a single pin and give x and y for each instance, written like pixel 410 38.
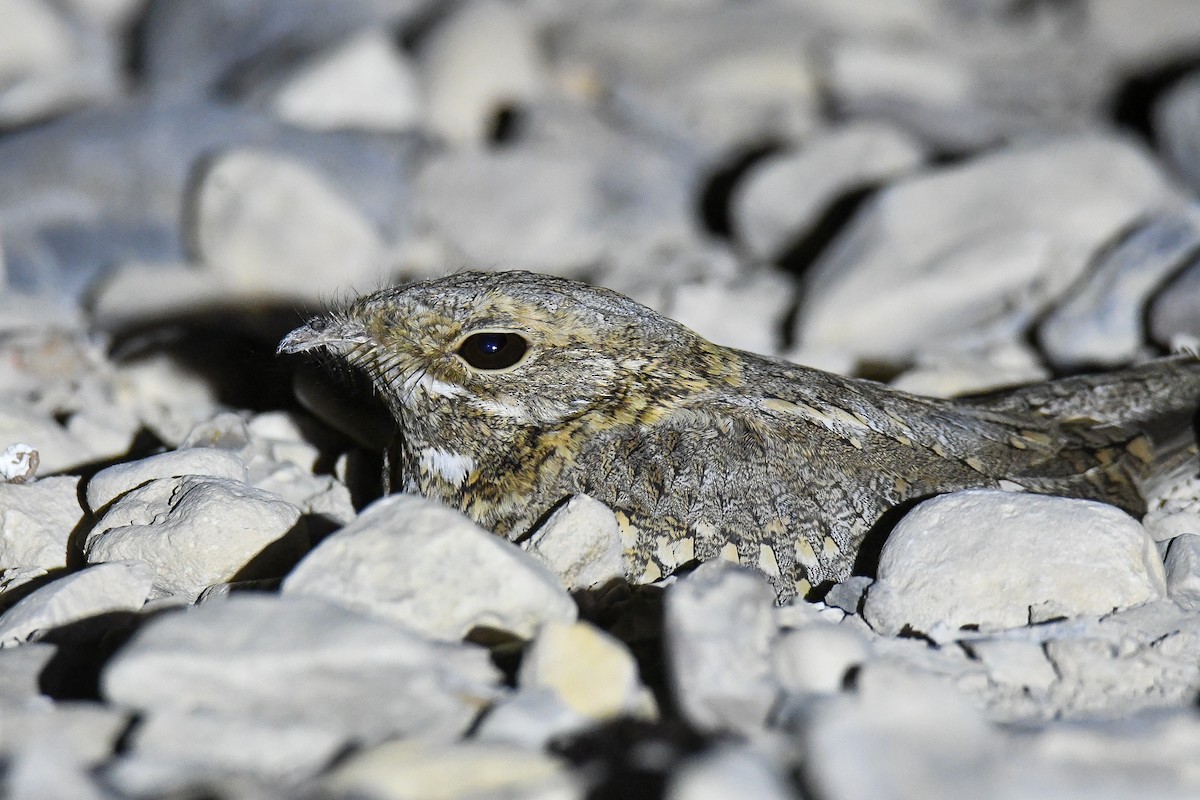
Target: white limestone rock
pixel 410 770
pixel 101 589
pixel 580 542
pixel 594 674
pixel 900 734
pixel 86 732
pixel 362 83
pixel 782 197
pixel 1015 662
pixel 419 563
pixel 271 227
pixel 480 59
pixel 36 520
pixel 817 658
pixel 976 249
pixel 20 672
pixel 531 718
pixel 296 661
pixel 58 449
pixel 196 531
pixel 201 741
pixel 746 313
pixel 112 482
pixel 719 630
pixel 998 560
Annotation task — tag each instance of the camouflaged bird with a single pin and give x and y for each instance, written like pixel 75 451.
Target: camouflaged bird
pixel 513 391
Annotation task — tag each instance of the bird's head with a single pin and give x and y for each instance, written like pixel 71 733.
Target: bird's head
pixel 511 350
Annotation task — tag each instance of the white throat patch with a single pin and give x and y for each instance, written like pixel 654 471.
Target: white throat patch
pixel 451 467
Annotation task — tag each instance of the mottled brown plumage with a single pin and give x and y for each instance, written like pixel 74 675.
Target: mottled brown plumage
pixel 707 452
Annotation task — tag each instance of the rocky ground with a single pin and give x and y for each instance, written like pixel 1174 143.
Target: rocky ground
pixel 201 595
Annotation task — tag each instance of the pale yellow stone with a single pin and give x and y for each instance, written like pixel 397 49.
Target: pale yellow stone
pixel 593 673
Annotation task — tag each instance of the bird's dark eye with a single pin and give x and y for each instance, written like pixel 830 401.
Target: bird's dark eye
pixel 493 350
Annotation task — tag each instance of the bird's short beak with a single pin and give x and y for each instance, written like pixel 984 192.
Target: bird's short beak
pixel 340 336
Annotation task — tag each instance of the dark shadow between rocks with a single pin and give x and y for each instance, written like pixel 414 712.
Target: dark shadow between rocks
pixel 18 593
pixel 84 647
pixel 630 759
pixel 1133 102
pixel 716 194
pixel 276 559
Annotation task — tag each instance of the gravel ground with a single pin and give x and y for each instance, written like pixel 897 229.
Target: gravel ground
pixel 202 594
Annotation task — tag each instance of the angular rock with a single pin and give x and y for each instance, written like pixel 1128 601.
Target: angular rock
pixel 362 83
pixel 975 249
pixel 267 225
pixel 1183 569
pixel 409 770
pixel 296 661
pixel 593 673
pixel 1103 322
pixel 781 198
pixel 416 562
pixel 36 520
pixel 719 631
pixel 102 589
pixel 1028 558
pixel 483 58
pixel 580 543
pixel 196 531
pixel 1015 663
pixel 113 482
pixel 817 658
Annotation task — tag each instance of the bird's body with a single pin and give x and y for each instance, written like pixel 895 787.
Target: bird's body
pixel 513 391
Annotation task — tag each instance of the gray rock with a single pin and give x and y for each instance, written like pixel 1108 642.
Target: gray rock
pixel 1028 557
pixel 322 496
pixel 782 197
pixel 1175 117
pixel 1172 318
pixel 53 61
pixel 362 83
pixel 719 631
pixel 576 208
pixel 113 482
pixel 416 769
pixel 746 313
pixel 531 718
pixel 269 226
pixel 196 531
pixel 45 770
pixel 848 594
pixel 20 670
pixel 295 661
pixel 902 734
pixel 1183 569
pixel 84 732
pixel 416 562
pixel 1103 322
pixel 977 249
pixel 594 674
pixel 102 589
pixel 58 449
pixel 1015 663
pixel 199 741
pixel 200 47
pixel 729 771
pixel 482 58
pixel 1154 34
pixel 817 658
pixel 69 214
pixel 36 520
pixel 581 543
